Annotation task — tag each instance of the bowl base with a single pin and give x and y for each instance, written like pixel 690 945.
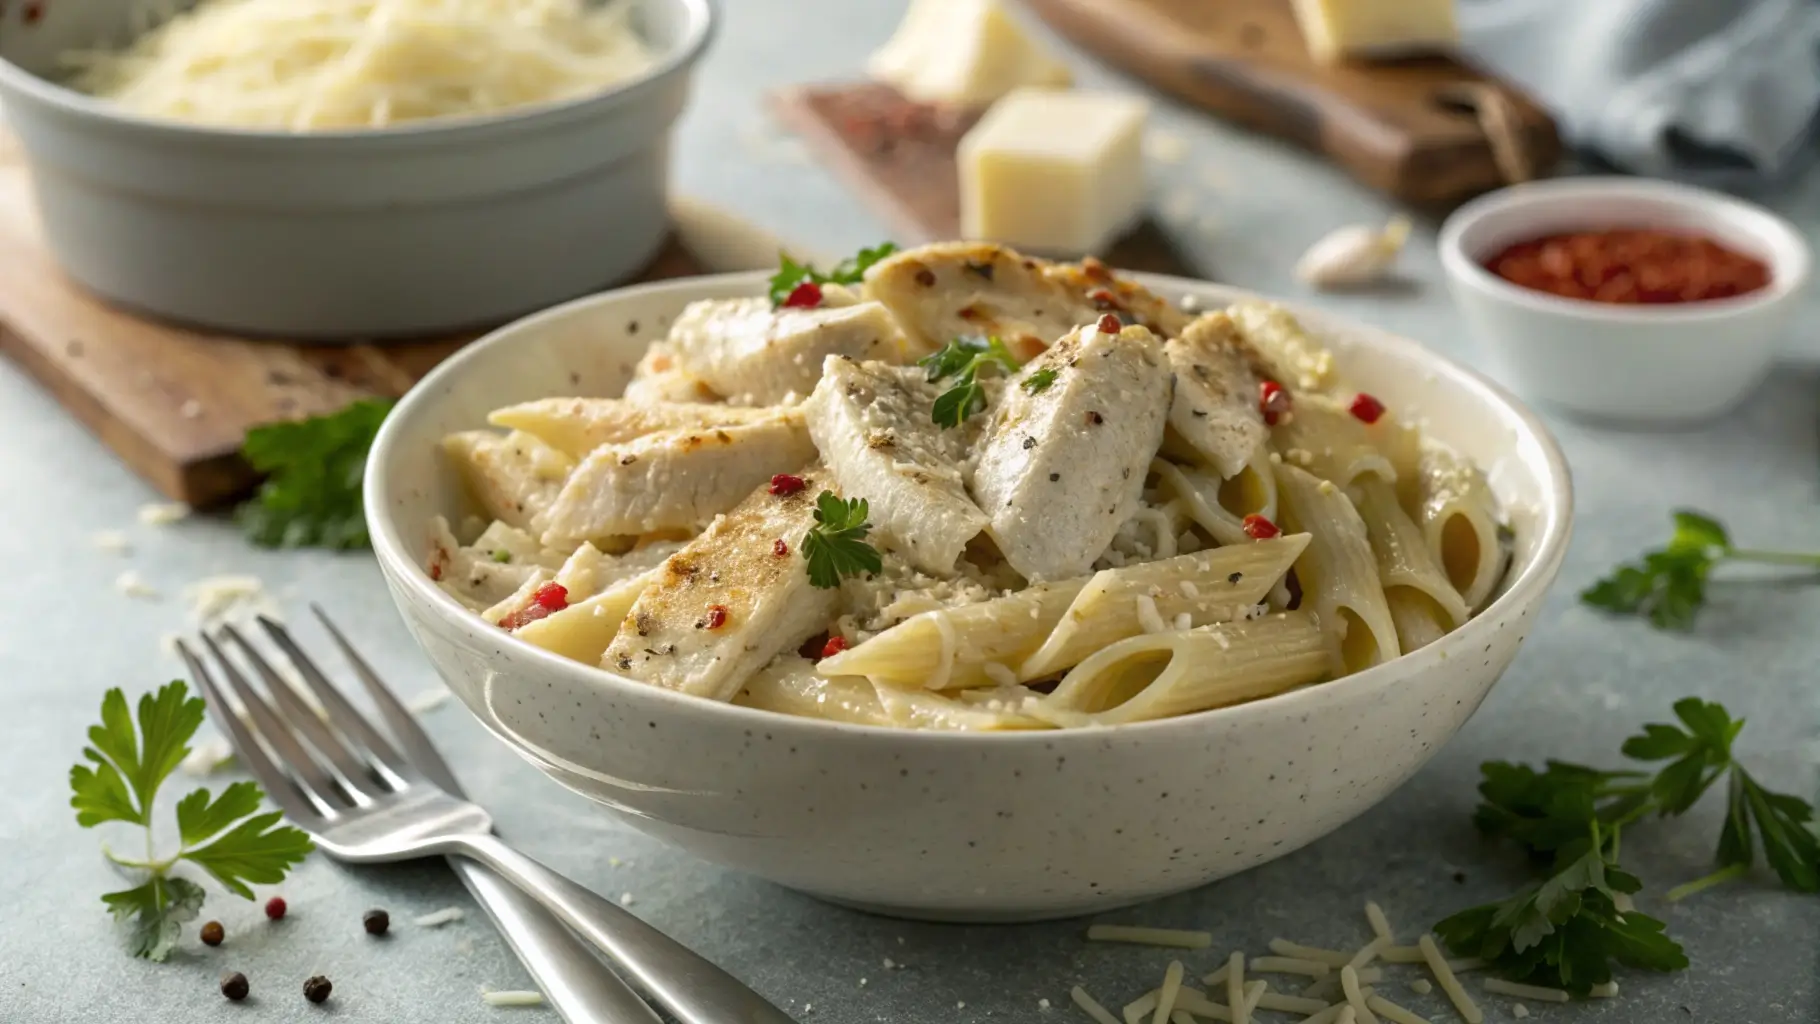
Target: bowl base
pixel 940 915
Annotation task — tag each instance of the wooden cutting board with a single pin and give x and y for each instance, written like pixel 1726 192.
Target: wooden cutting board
pixel 175 403
pixel 1426 130
pixel 899 155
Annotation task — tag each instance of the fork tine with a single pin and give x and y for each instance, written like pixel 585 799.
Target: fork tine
pixel 354 771
pixel 278 786
pixel 341 714
pixel 316 784
pixel 405 730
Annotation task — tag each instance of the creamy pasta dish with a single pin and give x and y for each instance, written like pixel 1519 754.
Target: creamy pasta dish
pixel 959 488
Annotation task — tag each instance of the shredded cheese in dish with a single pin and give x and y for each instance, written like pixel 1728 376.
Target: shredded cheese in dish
pixel 324 65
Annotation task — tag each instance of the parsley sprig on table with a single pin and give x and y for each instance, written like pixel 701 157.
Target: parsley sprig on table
pixel 223 835
pixel 1668 586
pixel 851 270
pixel 313 468
pixel 961 360
pixel 1566 930
pixel 836 545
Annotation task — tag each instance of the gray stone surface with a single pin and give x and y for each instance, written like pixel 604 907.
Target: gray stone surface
pixel 1580 684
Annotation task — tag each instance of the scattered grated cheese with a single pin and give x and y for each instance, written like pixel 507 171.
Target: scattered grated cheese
pixel 889 963
pixel 428 700
pixel 1290 1004
pixel 626 899
pixel 1355 997
pixel 1173 937
pixel 1401 954
pixel 112 541
pixel 1165 147
pixel 1392 1012
pixel 1380 926
pixel 511 998
pixel 438 918
pixel 163 513
pixel 1609 990
pixel 1536 992
pixel 1330 957
pixel 1090 1006
pixel 217 599
pixel 1421 986
pixel 1519 1011
pixel 1139 1008
pixel 1368 953
pixel 132 584
pixel 1190 303
pixel 1289 965
pixel 1456 993
pixel 1165 996
pixel 1042 1004
pixel 1237 995
pixel 1149 619
pixel 1338 1013
pixel 207 757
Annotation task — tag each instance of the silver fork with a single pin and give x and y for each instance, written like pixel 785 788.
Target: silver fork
pixel 365 803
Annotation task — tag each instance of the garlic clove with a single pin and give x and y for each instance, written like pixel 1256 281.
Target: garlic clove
pixel 1358 254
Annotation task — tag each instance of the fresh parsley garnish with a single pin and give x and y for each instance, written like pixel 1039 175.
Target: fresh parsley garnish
pixel 1040 381
pixel 851 270
pixel 313 469
pixel 1668 586
pixel 223 835
pixel 1565 930
pixel 836 545
pixel 961 360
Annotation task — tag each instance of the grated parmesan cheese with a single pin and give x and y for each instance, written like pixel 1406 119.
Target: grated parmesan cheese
pixel 214 600
pixel 1536 992
pixel 208 757
pixel 132 584
pixel 428 700
pixel 1380 926
pixel 1421 986
pixel 1393 1012
pixel 438 918
pixel 1289 965
pixel 511 997
pixel 113 542
pixel 1355 995
pixel 1519 1011
pixel 1090 1006
pixel 1149 619
pixel 1456 993
pixel 1166 995
pixel 163 513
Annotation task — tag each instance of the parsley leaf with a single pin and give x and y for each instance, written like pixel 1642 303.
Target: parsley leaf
pixel 313 467
pixel 1040 381
pixel 1668 586
pixel 962 360
pixel 224 836
pixel 851 270
pixel 836 546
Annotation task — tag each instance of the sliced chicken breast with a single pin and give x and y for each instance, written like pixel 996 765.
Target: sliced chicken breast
pixel 577 426
pixel 726 604
pixel 1215 411
pixel 955 289
pixel 674 478
pixel 658 378
pixel 875 428
pixel 1060 467
pixel 756 355
pixel 515 477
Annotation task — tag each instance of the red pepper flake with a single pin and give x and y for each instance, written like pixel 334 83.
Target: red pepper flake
pixel 1109 324
pixel 1366 408
pixel 30 13
pixel 807 295
pixel 436 570
pixel 1095 269
pixel 1630 266
pixel 1102 299
pixel 1273 401
pixel 779 548
pixel 1259 528
pixel 717 617
pixel 785 483
pixel 835 645
pixel 551 597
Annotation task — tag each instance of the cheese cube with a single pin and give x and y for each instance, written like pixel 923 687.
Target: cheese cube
pixel 967 52
pixel 1335 29
pixel 1058 173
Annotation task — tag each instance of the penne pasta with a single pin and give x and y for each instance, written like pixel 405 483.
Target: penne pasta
pixel 1404 562
pixel 1457 513
pixel 1280 349
pixel 949 649
pixel 577 426
pixel 1209 586
pixel 515 478
pixel 1338 573
pixel 1220 506
pixel 584 629
pixel 1179 672
pixel 1329 442
pixel 790 685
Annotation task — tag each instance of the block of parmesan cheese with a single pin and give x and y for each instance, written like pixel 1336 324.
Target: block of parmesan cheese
pixel 1054 172
pixel 967 52
pixel 1337 29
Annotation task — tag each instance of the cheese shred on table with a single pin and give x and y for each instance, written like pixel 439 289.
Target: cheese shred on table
pixel 328 65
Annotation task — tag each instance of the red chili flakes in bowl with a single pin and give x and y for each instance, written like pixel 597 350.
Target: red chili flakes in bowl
pixel 1630 266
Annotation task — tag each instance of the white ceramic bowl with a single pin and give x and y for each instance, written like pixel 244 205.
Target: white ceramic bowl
pixel 421 228
pixel 952 825
pixel 1644 364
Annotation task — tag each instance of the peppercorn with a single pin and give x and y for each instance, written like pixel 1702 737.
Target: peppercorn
pixel 376 921
pixel 317 989
pixel 234 986
pixel 212 933
pixel 274 908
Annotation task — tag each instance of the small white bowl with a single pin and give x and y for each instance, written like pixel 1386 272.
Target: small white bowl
pixel 956 825
pixel 1642 364
pixel 421 228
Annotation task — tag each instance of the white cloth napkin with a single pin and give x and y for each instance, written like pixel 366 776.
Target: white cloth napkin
pixel 1697 89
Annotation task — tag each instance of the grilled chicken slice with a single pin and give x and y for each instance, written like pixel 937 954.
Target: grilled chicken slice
pixel 726 604
pixel 875 427
pixel 658 378
pixel 577 426
pixel 1215 410
pixel 515 477
pixel 1061 468
pixel 1279 348
pixel 674 478
pixel 955 289
pixel 756 355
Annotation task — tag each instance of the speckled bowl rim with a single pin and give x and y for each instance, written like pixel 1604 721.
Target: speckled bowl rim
pixel 1554 518
pixel 704 21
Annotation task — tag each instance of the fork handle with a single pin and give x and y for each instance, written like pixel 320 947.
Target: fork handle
pixel 578 986
pixel 692 989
